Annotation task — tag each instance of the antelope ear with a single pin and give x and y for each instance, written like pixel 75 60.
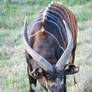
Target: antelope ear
pixel 70 69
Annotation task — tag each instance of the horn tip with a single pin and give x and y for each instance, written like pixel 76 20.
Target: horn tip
pixel 25 19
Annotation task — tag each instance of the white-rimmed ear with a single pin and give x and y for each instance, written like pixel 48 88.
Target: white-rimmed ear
pixel 70 69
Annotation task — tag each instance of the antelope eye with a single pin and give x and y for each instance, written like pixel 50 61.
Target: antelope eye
pixel 49 77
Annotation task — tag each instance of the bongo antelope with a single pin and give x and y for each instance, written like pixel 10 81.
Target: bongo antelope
pixel 50 48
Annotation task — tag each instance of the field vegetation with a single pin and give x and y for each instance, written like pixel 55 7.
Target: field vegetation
pixel 13 67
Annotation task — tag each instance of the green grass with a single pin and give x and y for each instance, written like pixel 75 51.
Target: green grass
pixel 13 72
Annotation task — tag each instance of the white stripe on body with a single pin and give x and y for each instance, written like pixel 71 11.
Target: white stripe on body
pixel 54 17
pixel 49 34
pixel 42 19
pixel 54 24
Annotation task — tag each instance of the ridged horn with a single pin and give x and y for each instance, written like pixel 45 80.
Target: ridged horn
pixel 38 58
pixel 63 59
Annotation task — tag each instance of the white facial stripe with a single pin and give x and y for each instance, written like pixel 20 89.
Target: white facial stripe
pixel 47 87
pixel 33 87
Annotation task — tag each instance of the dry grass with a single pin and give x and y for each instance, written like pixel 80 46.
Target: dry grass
pixel 13 73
